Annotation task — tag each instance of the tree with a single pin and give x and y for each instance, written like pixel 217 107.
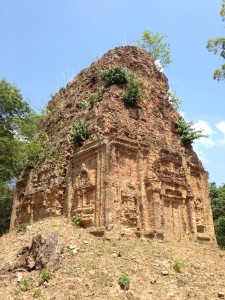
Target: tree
pixel 217 195
pixel 153 44
pixel 6 196
pixel 218 45
pixel 18 124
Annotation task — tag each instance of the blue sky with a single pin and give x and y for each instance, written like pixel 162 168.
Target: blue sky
pixel 45 43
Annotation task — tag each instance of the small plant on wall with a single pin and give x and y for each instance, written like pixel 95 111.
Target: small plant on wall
pixel 133 91
pixel 80 135
pixel 187 132
pixel 116 75
pixel 120 76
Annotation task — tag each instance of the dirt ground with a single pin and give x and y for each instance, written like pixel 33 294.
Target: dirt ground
pixel 91 267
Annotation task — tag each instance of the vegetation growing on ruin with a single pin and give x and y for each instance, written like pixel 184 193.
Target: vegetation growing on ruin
pixel 154 45
pixel 121 76
pixel 133 91
pixel 97 96
pixel 187 132
pixel 116 75
pixel 80 135
pixel 82 104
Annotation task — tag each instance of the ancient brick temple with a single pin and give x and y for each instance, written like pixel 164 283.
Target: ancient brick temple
pixel 132 176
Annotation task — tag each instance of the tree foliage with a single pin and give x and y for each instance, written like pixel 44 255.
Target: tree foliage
pixel 217 45
pixel 187 132
pixel 155 46
pixel 217 195
pixel 6 195
pixel 18 147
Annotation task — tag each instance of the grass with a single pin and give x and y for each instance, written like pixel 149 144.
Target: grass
pixel 177 266
pixel 22 227
pixel 24 284
pixel 76 221
pixel 46 275
pixel 124 282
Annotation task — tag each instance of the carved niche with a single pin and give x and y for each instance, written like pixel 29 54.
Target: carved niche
pixel 83 205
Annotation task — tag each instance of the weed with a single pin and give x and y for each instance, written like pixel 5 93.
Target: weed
pixel 58 126
pixel 76 221
pixel 54 154
pixel 37 293
pixel 116 75
pixel 100 92
pixel 92 99
pixel 22 227
pixel 124 282
pixel 82 104
pixel 80 134
pixel 177 266
pixel 187 132
pixel 46 275
pixel 96 97
pixel 133 92
pixel 24 284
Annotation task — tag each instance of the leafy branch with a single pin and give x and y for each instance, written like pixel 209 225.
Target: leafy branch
pixel 187 132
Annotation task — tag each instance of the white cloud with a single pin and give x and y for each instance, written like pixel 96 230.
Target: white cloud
pixel 221 126
pixel 204 126
pixel 206 130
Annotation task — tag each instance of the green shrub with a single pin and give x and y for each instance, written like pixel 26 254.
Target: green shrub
pixel 100 92
pixel 92 99
pixel 54 154
pixel 133 92
pixel 76 221
pixel 116 75
pixel 82 104
pixel 22 227
pixel 96 97
pixel 24 284
pixel 187 132
pixel 81 133
pixel 46 275
pixel 124 282
pixel 219 225
pixel 177 266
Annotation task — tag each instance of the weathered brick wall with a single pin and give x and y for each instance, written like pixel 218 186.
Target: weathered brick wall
pixel 132 176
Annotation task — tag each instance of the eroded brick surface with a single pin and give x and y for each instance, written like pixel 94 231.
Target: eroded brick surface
pixel 132 176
